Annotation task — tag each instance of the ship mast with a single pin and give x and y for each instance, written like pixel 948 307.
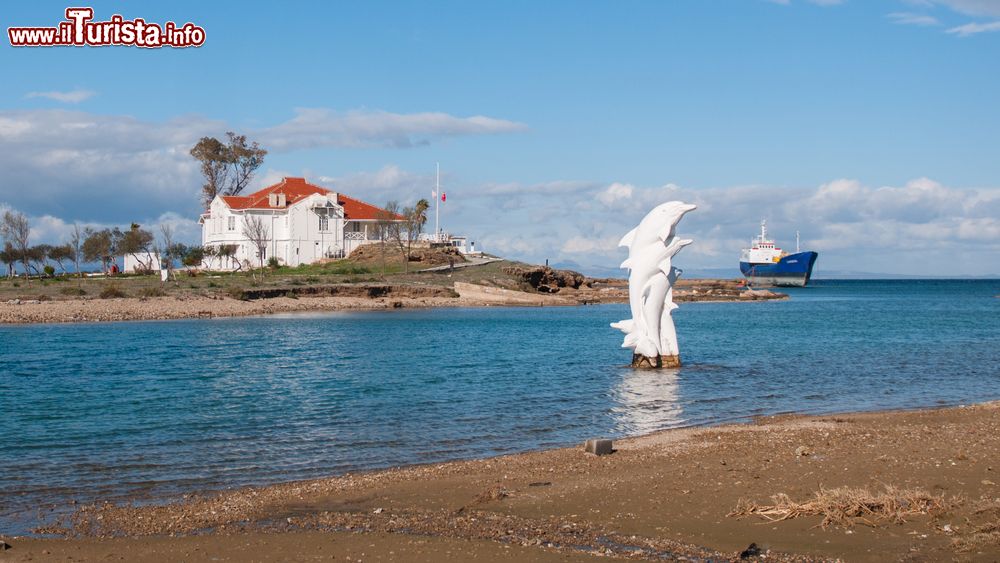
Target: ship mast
pixel 796 242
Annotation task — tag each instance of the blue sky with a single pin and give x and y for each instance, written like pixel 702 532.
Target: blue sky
pixel 871 127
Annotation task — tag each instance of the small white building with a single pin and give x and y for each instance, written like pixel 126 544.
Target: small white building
pixel 141 263
pixel 305 223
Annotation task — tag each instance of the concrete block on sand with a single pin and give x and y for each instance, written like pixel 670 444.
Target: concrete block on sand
pixel 598 447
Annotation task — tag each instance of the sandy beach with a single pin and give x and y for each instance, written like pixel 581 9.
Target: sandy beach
pixel 907 485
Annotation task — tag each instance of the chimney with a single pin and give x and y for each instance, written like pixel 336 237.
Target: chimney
pixel 281 200
pixel 272 199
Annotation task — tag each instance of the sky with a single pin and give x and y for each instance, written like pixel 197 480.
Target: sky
pixel 871 127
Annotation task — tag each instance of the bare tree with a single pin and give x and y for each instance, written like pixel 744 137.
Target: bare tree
pixel 386 228
pixel 15 229
pixel 403 227
pixel 167 256
pixel 76 244
pixel 256 230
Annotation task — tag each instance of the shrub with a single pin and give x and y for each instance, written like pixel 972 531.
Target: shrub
pixel 210 284
pixel 236 293
pixel 112 291
pixel 272 263
pixel 152 291
pixel 49 270
pixel 72 291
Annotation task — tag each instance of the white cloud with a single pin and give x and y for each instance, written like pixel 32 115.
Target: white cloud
pixel 853 226
pixel 615 192
pixel 70 97
pixel 974 28
pixel 971 7
pixel 115 168
pixel 910 18
pixel 312 128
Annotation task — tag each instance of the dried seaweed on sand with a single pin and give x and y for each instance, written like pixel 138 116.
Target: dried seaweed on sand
pixel 846 506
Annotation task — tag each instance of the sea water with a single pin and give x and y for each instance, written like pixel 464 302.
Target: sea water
pixel 150 410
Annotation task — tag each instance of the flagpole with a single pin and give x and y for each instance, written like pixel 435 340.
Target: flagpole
pixel 437 202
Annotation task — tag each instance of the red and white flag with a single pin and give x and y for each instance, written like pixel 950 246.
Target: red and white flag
pixel 444 196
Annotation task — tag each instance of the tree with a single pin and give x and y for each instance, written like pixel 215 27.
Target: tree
pixel 421 208
pixel 138 241
pixel 255 229
pixel 194 256
pixel 100 246
pixel 76 244
pixel 171 250
pixel 404 228
pixel 227 167
pixel 60 254
pixel 38 257
pixel 386 228
pixel 9 256
pixel 15 230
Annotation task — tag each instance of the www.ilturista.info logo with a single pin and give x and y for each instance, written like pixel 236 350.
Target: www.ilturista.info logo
pixel 78 30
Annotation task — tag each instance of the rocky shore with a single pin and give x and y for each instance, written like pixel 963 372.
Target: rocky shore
pixel 340 297
pixel 912 485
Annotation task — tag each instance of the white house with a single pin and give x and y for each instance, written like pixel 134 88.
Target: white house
pixel 305 223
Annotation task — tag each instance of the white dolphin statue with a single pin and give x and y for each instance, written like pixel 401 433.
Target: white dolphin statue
pixel 652 246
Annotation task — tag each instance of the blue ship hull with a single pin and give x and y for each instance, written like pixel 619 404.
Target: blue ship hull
pixel 792 270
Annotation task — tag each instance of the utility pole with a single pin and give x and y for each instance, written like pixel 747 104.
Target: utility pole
pixel 437 202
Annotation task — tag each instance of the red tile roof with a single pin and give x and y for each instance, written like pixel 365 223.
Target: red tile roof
pixel 296 189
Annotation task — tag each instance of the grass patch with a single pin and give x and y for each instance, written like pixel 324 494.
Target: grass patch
pixel 236 293
pixel 112 291
pixel 152 291
pixel 73 291
pixel 846 506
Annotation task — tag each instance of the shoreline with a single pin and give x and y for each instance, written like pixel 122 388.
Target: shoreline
pixel 322 299
pixel 679 489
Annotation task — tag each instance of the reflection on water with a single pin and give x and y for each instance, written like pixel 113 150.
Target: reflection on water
pixel 646 401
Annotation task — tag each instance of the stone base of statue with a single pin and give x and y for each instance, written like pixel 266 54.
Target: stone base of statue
pixel 640 361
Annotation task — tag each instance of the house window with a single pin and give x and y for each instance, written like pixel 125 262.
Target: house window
pixel 324 223
pixel 232 223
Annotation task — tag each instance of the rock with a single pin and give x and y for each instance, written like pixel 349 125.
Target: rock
pixel 4 546
pixel 751 551
pixel 802 451
pixel 538 276
pixel 599 447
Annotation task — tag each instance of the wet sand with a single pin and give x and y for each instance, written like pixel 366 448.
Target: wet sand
pixel 667 495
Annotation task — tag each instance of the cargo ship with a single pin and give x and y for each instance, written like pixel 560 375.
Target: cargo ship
pixel 766 264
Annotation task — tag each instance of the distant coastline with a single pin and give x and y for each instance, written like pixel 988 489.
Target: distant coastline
pixel 330 287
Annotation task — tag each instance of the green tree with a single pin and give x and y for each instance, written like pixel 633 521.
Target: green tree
pixel 138 242
pixel 9 256
pixel 38 257
pixel 60 254
pixel 101 246
pixel 194 256
pixel 227 167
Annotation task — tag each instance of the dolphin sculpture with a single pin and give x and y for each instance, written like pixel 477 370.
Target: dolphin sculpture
pixel 652 245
